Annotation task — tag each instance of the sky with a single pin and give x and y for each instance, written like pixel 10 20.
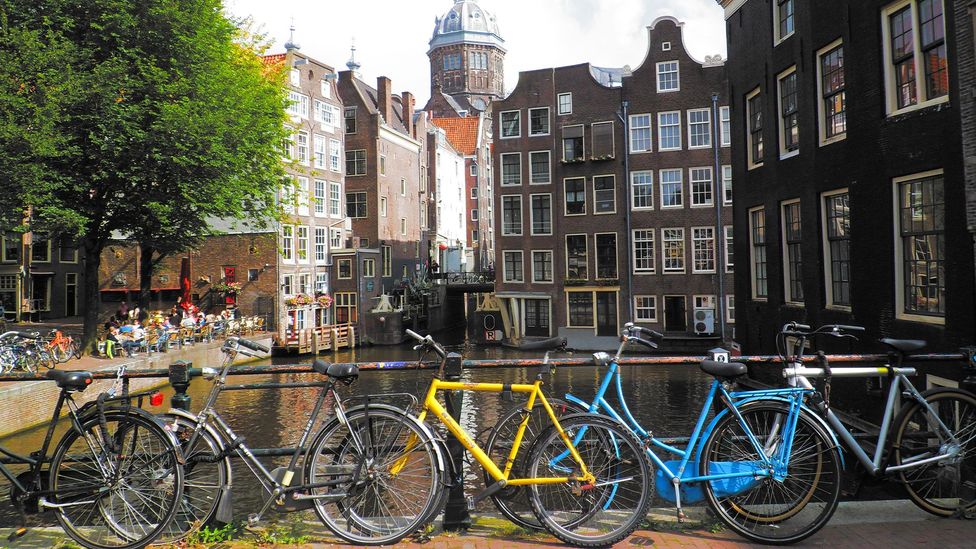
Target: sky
pixel 392 37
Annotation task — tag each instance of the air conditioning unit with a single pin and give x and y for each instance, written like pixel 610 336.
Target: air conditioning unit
pixel 705 321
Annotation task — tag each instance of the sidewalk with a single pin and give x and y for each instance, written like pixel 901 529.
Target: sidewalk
pixel 888 524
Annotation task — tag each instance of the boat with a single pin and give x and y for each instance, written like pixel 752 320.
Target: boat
pixel 535 343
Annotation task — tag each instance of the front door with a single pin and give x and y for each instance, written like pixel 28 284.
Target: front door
pixel 674 314
pixel 606 314
pixel 537 317
pixel 71 294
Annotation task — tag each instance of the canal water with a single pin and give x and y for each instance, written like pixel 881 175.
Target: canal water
pixel 664 399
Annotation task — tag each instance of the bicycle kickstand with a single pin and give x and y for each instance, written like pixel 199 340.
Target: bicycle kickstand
pixel 677 499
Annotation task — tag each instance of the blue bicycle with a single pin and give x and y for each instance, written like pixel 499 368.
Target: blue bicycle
pixel 767 465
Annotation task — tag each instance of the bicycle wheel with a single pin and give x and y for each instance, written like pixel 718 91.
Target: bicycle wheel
pixel 383 490
pixel 119 491
pixel 946 487
pixel 771 511
pixel 604 511
pixel 204 478
pixel 74 350
pixel 28 361
pixel 513 501
pixel 58 353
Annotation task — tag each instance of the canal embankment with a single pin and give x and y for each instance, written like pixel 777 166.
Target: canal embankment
pixel 26 404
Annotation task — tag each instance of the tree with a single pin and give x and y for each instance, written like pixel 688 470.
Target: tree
pixel 171 119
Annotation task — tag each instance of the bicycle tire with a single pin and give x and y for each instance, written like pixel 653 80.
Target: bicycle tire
pixel 74 349
pixel 773 512
pixel 613 506
pixel 28 362
pixel 58 353
pixel 204 479
pixel 513 501
pixel 132 512
pixel 386 506
pixel 941 487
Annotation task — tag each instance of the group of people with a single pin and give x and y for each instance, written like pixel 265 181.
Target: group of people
pixel 128 328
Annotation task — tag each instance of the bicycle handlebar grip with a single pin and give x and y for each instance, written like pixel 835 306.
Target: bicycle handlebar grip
pixel 414 335
pixel 26 335
pixel 437 348
pixel 850 328
pixel 798 326
pixel 252 345
pixel 649 332
pixel 644 342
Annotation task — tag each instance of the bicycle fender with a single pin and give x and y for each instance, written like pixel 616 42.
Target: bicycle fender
pixel 442 461
pixel 816 417
pixel 85 415
pixel 225 506
pixel 576 400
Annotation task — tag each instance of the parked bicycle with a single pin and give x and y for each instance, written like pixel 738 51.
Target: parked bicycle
pixel 345 471
pixel 24 351
pixel 113 480
pixel 586 476
pixel 927 440
pixel 62 347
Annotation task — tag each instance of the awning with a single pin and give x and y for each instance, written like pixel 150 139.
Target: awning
pixel 42 273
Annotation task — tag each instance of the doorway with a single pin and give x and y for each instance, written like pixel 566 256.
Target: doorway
pixel 71 294
pixel 606 314
pixel 537 317
pixel 675 314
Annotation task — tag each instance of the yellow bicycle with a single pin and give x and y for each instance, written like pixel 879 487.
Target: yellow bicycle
pixel 588 479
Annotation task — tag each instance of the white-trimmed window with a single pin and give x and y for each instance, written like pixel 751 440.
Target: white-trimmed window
pixel 642 189
pixel 511 123
pixel 757 245
pixel 573 150
pixel 297 104
pixel 324 114
pixel 575 193
pixel 730 308
pixel 383 206
pixel 671 183
pixel 579 309
pixel 673 249
pixel 403 226
pixel 920 255
pixel 369 268
pixel 576 256
pixel 645 308
pixel 295 77
pixel 703 249
pixel 386 256
pixel 513 271
pixel 699 128
pixel 729 250
pixel 320 245
pixel 644 252
pixel 831 88
pixel 668 79
pixel 640 133
pixel 334 149
pixel 837 248
pixel 669 131
pixel 511 169
pixel 301 251
pixel 511 215
pixel 916 62
pixel 540 170
pixel 301 148
pixel 789 113
pixel 319 197
pixel 726 115
pixel 754 123
pixel 288 284
pixel 302 194
pixel 727 185
pixel 539 121
pixel 325 89
pixel 335 199
pixel 542 266
pixel 474 214
pixel 783 19
pixel 287 243
pixel 565 103
pixel 604 194
pixel 606 255
pixel 541 214
pixel 602 146
pixel 792 252
pixel 701 186
pixel 319 150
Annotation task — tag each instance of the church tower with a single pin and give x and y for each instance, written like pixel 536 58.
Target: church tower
pixel 467 56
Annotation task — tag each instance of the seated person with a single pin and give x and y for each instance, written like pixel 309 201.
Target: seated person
pixel 188 322
pixel 136 337
pixel 111 341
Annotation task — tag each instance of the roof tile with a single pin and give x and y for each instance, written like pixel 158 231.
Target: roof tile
pixel 461 132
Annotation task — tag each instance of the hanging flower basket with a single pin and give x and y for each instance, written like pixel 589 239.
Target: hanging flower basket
pixel 227 288
pixel 299 300
pixel 324 300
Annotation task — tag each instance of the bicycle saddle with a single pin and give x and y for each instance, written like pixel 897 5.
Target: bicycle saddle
pixel 904 345
pixel 724 369
pixel 73 381
pixel 337 371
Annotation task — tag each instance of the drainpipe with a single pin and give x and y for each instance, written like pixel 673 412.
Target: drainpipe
pixel 625 120
pixel 718 197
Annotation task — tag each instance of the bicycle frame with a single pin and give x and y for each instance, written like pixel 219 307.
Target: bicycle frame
pixel 773 459
pixel 500 475
pixel 797 375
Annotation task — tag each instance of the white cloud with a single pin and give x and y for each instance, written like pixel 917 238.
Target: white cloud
pixel 392 37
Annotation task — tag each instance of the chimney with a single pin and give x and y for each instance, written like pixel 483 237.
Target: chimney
pixel 384 99
pixel 406 99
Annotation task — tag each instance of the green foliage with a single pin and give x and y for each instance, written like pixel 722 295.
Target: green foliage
pixel 208 536
pixel 293 533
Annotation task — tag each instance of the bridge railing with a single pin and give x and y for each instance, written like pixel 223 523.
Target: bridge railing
pixel 465 278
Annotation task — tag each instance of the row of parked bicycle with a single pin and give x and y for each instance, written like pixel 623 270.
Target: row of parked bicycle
pixel 768 462
pixel 28 351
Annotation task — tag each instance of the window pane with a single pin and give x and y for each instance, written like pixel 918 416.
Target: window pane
pixel 603 140
pixel 576 257
pixel 923 245
pixel 644 251
pixel 642 189
pixel 606 256
pixel 604 194
pixel 575 196
pixel 671 188
pixel 541 214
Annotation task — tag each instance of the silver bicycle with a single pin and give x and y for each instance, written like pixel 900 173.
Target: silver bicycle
pixel 927 440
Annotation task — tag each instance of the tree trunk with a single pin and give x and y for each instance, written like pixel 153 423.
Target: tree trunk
pixel 146 253
pixel 92 301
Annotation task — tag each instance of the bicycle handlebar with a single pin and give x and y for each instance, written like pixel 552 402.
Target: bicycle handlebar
pixel 428 342
pixel 642 341
pixel 252 345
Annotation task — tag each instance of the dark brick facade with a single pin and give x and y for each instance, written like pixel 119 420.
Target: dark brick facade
pixel 884 147
pixel 604 292
pixel 54 282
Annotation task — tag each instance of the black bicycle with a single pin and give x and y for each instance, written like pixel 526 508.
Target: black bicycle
pixel 114 479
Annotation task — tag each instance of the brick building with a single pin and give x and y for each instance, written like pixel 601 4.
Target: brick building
pixel 447 211
pixel 850 205
pixel 385 175
pixel 40 277
pixel 605 196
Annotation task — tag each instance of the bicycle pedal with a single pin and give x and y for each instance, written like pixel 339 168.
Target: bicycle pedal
pixel 253 519
pixel 18 533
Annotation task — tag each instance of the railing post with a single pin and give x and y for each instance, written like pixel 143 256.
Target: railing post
pixel 969 382
pixel 179 378
pixel 456 516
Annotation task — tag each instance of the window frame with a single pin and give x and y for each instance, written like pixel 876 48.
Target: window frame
pixel 785 152
pixel 532 172
pixel 752 133
pixel 728 240
pixel 518 124
pixel 560 104
pixel 921 91
pixel 637 309
pixel 899 259
pixel 501 164
pixel 677 76
pixel 727 197
pixel 365 203
pixel 320 240
pixel 680 187
pixel 725 121
pixel 319 202
pixel 778 36
pixel 828 275
pixel 548 122
pixel 649 129
pixel 821 100
pixel 613 140
pixel 586 255
pixel 521 220
pixel 613 180
pixel 569 316
pixel 339 263
pixel 785 213
pixel 660 130
pixel 684 251
pixel 566 196
pixel 532 230
pixel 356 162
pixel 707 123
pixel 652 252
pixel 694 250
pixel 650 193
pixel 582 143
pixel 711 187
pixel 596 256
pixel 287 244
pixel 552 271
pixel 505 278
pixel 754 279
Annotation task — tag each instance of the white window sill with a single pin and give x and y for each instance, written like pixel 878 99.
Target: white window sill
pixel 681 272
pixel 791 154
pixel 935 320
pixel 834 139
pixel 669 149
pixel 698 147
pixel 754 166
pixel 539 134
pixel 919 106
pixel 779 41
pixel 642 151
